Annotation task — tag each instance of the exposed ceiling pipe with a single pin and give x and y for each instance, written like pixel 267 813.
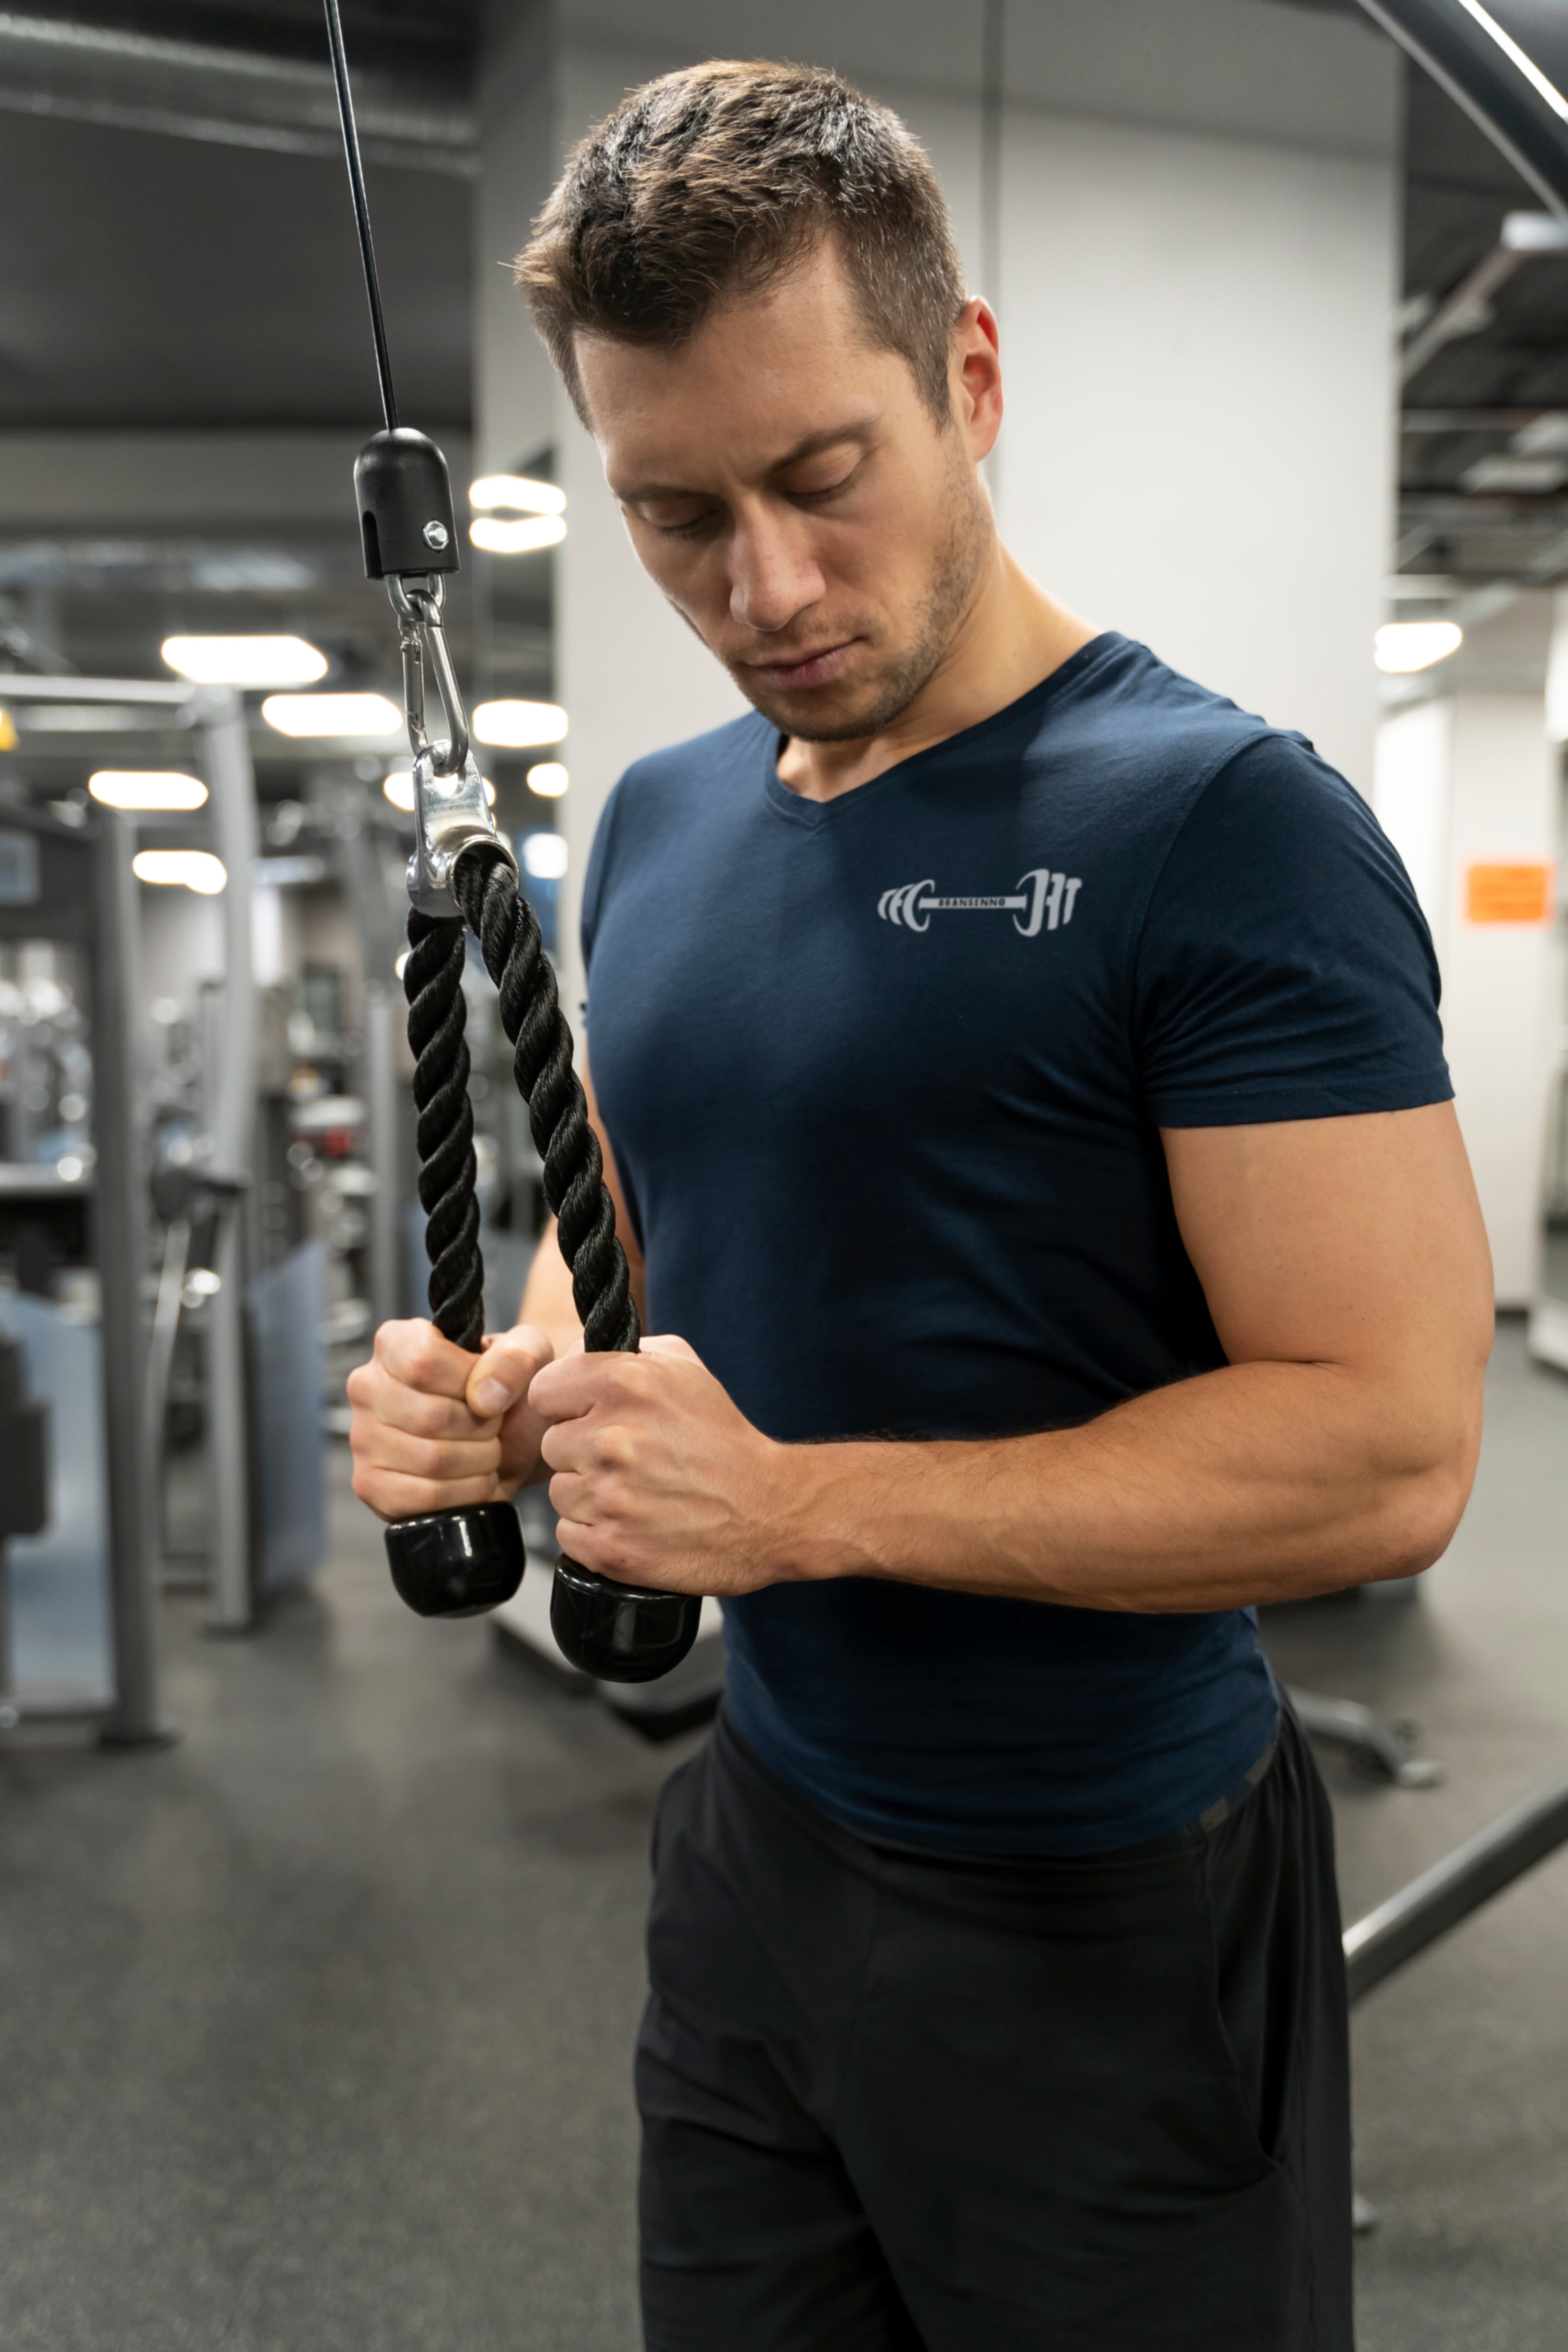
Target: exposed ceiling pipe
pixel 1468 307
pixel 139 81
pixel 1501 88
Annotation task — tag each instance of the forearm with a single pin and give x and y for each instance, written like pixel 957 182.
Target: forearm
pixel 1258 1482
pixel 547 1301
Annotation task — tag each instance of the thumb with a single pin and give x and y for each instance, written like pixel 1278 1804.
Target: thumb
pixel 665 1343
pixel 504 1371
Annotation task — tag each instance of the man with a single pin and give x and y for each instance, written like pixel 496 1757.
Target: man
pixel 1021 1084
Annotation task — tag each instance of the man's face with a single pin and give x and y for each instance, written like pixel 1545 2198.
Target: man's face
pixel 790 492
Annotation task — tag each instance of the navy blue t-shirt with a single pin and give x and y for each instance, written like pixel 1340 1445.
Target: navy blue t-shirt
pixel 884 1077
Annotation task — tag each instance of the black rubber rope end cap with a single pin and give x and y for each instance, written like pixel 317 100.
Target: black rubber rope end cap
pixel 619 1633
pixel 456 1563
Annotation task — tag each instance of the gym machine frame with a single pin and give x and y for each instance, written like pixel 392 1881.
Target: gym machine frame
pixel 134 1716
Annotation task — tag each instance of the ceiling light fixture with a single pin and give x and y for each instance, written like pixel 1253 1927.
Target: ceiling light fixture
pixel 498 536
pixel 331 714
pixel 549 780
pixel 518 725
pixel 517 494
pixel 191 869
pixel 120 788
pixel 1403 647
pixel 245 661
pixel 544 855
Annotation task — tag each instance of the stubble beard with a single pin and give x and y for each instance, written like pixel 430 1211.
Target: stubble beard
pixel 908 672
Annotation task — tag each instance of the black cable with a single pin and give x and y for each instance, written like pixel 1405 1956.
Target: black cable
pixel 361 210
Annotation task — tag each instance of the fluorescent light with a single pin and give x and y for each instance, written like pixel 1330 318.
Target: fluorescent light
pixel 120 788
pixel 518 494
pixel 1405 646
pixel 331 714
pixel 1511 50
pixel 1505 470
pixel 246 661
pixel 518 724
pixel 399 789
pixel 544 855
pixel 549 780
pixel 500 537
pixel 196 869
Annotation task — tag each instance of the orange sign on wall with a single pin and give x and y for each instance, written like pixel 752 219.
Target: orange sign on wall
pixel 1508 894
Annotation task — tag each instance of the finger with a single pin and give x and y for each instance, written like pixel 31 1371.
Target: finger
pixel 573 1384
pixel 436 1460
pixel 569 1496
pixel 569 1445
pixel 372 1391
pixel 393 1496
pixel 417 1354
pixel 504 1371
pixel 665 1343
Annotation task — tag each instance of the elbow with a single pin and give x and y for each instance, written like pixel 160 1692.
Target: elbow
pixel 1420 1510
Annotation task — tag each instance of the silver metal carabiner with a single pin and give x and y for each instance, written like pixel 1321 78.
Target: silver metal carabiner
pixel 450 811
pixel 418 602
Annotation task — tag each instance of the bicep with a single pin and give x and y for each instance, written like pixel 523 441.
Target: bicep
pixel 1353 1241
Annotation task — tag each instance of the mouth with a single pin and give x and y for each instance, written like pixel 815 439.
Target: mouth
pixel 803 671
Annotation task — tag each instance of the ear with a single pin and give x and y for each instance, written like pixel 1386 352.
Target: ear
pixel 975 377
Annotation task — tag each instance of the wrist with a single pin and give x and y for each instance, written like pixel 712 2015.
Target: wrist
pixel 815 1518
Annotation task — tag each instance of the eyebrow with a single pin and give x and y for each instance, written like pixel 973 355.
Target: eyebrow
pixel 812 445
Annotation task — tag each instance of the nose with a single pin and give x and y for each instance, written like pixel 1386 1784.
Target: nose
pixel 773 577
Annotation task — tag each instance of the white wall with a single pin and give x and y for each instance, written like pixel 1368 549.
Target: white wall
pixel 1199 394
pixel 1197 258
pixel 1471 780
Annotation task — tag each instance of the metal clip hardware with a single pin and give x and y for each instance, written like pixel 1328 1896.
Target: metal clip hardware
pixel 450 814
pixel 417 604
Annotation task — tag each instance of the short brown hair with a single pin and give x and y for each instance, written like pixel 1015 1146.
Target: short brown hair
pixel 712 182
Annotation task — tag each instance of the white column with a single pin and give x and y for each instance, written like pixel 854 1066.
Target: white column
pixel 1467 791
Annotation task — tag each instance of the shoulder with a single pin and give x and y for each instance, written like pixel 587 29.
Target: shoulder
pixel 1150 739
pixel 659 785
pixel 1275 805
pixel 652 807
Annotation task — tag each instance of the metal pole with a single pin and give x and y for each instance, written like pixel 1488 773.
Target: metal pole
pixel 231 1099
pixel 1484 71
pixel 120 1195
pixel 1431 1905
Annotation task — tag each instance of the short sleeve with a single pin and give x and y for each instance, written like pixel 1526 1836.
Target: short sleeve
pixel 595 880
pixel 1285 969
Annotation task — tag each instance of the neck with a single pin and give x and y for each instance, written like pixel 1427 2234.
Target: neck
pixel 1010 637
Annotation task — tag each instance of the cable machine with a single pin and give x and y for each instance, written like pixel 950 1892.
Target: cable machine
pixel 463 879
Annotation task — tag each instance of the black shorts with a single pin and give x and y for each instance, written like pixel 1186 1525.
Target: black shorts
pixel 894 2100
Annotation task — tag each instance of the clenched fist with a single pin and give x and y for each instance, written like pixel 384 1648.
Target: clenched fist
pixel 434 1427
pixel 658 1477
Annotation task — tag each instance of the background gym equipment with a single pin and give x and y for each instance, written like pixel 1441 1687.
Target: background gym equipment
pixel 463 878
pixel 24 1490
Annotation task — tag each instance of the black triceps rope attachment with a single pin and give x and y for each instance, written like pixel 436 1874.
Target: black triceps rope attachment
pixel 451 1563
pixel 462 877
pixel 507 929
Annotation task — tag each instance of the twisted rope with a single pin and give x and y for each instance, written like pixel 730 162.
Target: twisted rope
pixel 507 929
pixel 437 1017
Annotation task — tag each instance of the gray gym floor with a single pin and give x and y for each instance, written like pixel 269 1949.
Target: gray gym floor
pixel 314 2029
